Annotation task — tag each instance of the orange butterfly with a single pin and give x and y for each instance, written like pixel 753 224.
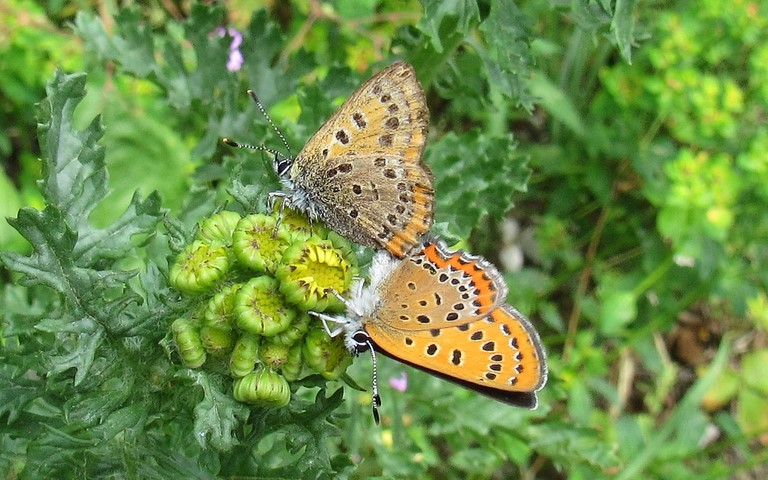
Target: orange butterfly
pixel 444 312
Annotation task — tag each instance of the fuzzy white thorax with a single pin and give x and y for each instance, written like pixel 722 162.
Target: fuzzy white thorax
pixel 297 199
pixel 363 300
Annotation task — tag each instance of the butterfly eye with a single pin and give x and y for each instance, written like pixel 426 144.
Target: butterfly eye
pixel 282 164
pixel 362 341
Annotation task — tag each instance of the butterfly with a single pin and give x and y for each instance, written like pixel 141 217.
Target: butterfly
pixel 444 312
pixel 361 173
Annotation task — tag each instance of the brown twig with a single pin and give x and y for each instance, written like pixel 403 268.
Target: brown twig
pixel 586 274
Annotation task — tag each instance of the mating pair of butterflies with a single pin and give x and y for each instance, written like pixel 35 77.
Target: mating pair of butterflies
pixel 440 311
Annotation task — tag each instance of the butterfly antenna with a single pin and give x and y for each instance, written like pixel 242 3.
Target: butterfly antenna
pixel 269 120
pixel 375 398
pixel 262 148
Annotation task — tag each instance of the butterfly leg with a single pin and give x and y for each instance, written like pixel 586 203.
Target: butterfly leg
pixel 358 283
pixel 285 201
pixel 344 300
pixel 325 318
pixel 271 199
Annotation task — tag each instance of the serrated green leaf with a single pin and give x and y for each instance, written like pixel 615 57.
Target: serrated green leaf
pixel 9 239
pixel 126 422
pixel 217 415
pixel 80 357
pixel 90 409
pixel 211 52
pixel 16 393
pixel 132 45
pixel 305 426
pixel 50 239
pixel 474 176
pixel 65 245
pixel 623 26
pixel 140 218
pixel 263 43
pixel 74 178
pixel 509 59
pixel 442 18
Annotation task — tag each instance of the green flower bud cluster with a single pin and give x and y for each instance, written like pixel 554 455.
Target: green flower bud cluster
pixel 254 279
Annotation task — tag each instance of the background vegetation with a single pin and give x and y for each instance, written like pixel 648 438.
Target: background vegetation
pixel 610 156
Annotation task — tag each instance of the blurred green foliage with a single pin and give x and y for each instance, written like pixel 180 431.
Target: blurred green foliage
pixel 630 138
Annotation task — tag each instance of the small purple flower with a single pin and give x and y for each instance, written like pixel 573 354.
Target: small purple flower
pixel 235 61
pixel 399 383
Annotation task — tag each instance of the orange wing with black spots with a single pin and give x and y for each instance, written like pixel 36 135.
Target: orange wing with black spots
pixel 437 288
pixel 500 355
pixel 444 312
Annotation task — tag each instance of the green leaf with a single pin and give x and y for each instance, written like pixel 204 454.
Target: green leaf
pixel 509 59
pixel 211 51
pixel 623 26
pixel 554 100
pixel 113 241
pixel 132 46
pixel 16 392
pixel 9 239
pixel 306 429
pixel 570 443
pixel 270 81
pixel 74 177
pixel 617 309
pixel 65 246
pixel 678 419
pixel 217 415
pixel 445 19
pixel 474 176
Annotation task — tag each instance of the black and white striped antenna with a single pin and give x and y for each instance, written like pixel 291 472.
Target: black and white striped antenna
pixel 262 147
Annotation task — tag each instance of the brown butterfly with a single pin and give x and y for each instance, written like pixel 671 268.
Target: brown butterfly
pixel 361 173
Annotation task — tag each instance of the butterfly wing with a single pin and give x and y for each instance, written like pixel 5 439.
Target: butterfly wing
pixel 500 355
pixel 376 200
pixel 387 114
pixel 373 143
pixel 435 288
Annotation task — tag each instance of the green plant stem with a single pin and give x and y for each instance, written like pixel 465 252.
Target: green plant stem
pixel 586 273
pixel 685 410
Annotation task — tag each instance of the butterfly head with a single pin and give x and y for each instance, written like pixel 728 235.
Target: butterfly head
pixel 358 342
pixel 282 163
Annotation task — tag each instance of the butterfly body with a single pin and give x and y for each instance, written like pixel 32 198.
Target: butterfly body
pixel 444 312
pixel 361 172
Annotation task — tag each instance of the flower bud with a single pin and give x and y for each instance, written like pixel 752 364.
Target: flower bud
pixel 260 308
pixel 244 355
pixel 299 227
pixel 199 267
pixel 273 356
pixel 257 244
pixel 311 271
pixel 327 356
pixel 263 387
pixel 220 310
pixel 188 343
pixel 294 365
pixel 218 228
pixel 217 342
pixel 294 332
